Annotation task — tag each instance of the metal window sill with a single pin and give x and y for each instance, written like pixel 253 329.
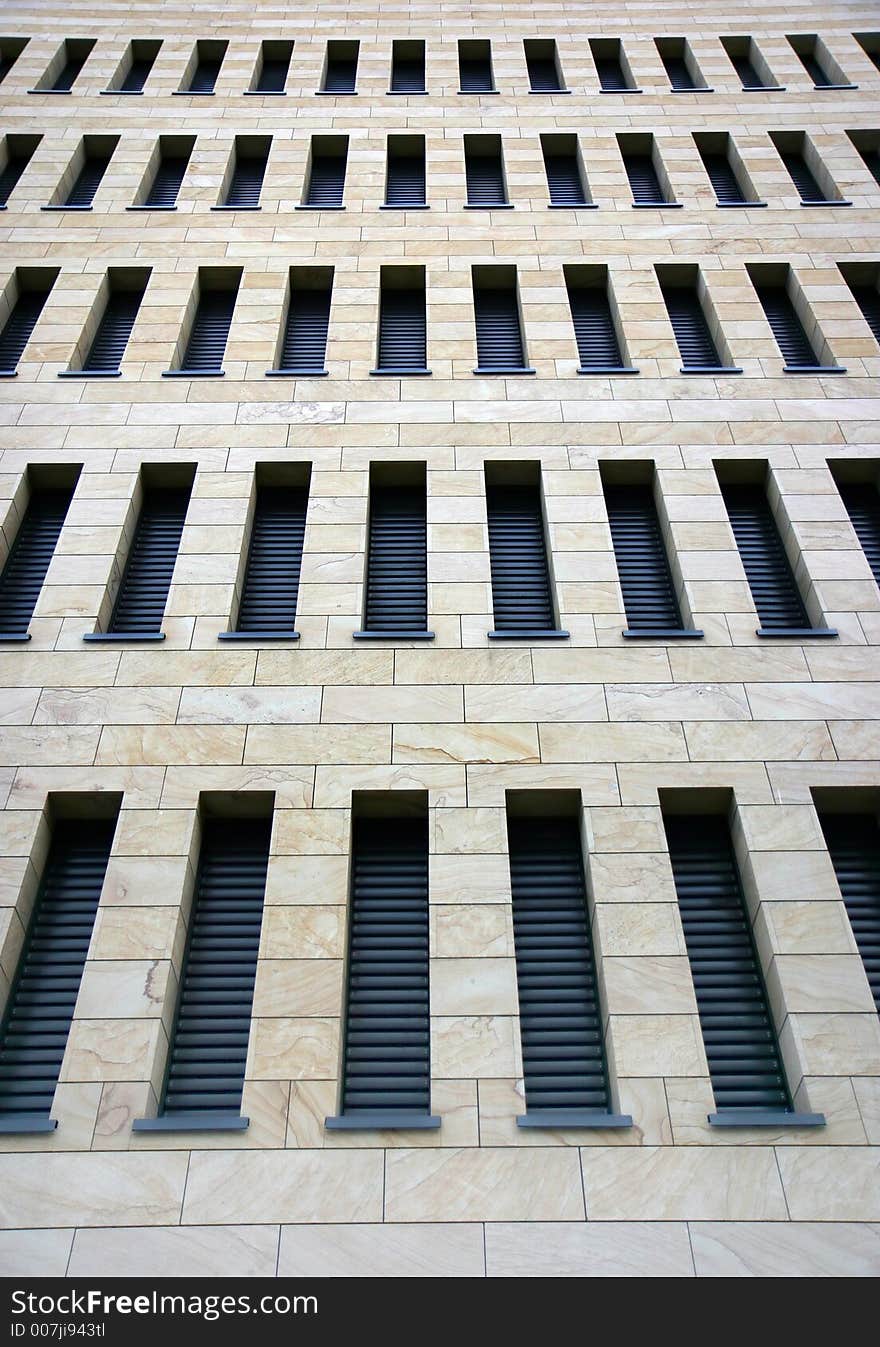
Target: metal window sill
pixel 739 205
pixel 89 374
pixel 523 634
pixel 381 1120
pixel 123 93
pixel 825 203
pixel 408 371
pixel 710 369
pixel 192 1122
pixel 193 93
pixel 662 634
pixel 631 90
pixel 258 635
pixel 572 205
pixel 607 369
pixel 658 205
pixel 193 373
pixel 835 86
pixel 406 93
pixel 18 637
pixel 336 93
pixel 764 88
pixel 264 93
pixel 58 208
pixel 382 635
pixel 548 93
pixel 24 1124
pixel 55 92
pixel 8 373
pixel 764 1117
pixel 814 369
pixel 109 637
pixel 414 205
pixel 491 205
pixel 796 633
pixel 697 89
pixel 151 208
pixel 477 93
pixel 297 373
pixel 235 208
pixel 573 1117
pixel 507 369
pixel 308 207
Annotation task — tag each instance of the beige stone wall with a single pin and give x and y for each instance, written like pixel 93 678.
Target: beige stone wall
pixel 462 720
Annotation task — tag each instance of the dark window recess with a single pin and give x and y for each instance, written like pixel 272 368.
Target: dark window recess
pixel 810 61
pixel 169 176
pixel 738 53
pixel 560 1015
pixel 475 67
pixel 543 66
pixel 95 164
pixel 722 177
pixel 19 152
pixel 19 326
pixel 868 299
pixel 304 347
pixel 29 557
pixel 499 334
pixel 114 330
pixel 271 580
pixel 564 178
pixel 676 67
pixel 869 149
pixel 870 45
pixel 209 332
pixel 387 1066
pixel 695 342
pixel 75 56
pixel 609 66
pixel 408 67
pixel 40 1008
pixel 143 591
pixel 405 182
pixel 403 336
pixel 862 501
pixel 208 63
pixel 246 182
pixel 274 67
pixel 326 177
pixel 853 841
pixel 594 329
pixel 142 61
pixel 206 1058
pixel 10 50
pixel 521 594
pixel 787 327
pixel 484 171
pixel 642 563
pixel 644 181
pixel 397 561
pixel 774 589
pixel 340 72
pixel 738 1032
pixel 801 175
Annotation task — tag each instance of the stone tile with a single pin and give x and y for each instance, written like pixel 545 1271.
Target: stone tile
pixel 91 1190
pixel 596 1249
pixel 797 1249
pixel 483 1185
pixel 34 1253
pixel 381 1251
pixel 176 1251
pixel 664 1183
pixel 839 1183
pixel 231 1189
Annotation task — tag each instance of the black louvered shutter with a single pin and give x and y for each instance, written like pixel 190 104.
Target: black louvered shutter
pixel 88 180
pixel 484 174
pixel 246 182
pixel 677 70
pixel 326 179
pixel 862 501
pixel 273 74
pixel 166 184
pixel 801 175
pixel 210 329
pixel 305 333
pixel 341 73
pixel 387 1059
pixel 499 335
pixel 774 589
pixel 74 62
pixel 16 163
pixel 29 558
pixel 407 72
pixel 722 178
pixel 642 563
pixel 209 1043
pixel 138 73
pixel 560 1016
pixel 738 1032
pixel 748 75
pixel 787 327
pixel 143 592
pixel 205 74
pixel 868 299
pixel 475 73
pixel 595 334
pixel 397 563
pixel 114 330
pixel 271 580
pixel 521 595
pixel 543 74
pixel 611 73
pixel 39 1012
pixel 564 178
pixel 405 185
pixel 695 344
pixel 643 180
pixel 853 841
pixel 19 326
pixel 403 336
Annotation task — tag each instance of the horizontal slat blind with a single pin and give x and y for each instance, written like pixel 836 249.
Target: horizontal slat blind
pixel 273 74
pixel 642 563
pixel 677 70
pixel 19 326
pixel 801 175
pixel 169 176
pixel 205 74
pixel 484 174
pixel 786 326
pixel 695 343
pixel 521 594
pixel 326 179
pixel 611 73
pixel 854 844
pixel 594 327
pixel 811 64
pixel 138 73
pixel 408 74
pixel 114 330
pixel 143 592
pixel 39 1012
pixel 749 77
pixel 74 62
pixel 774 589
pixel 387 1062
pixel 208 1052
pixel 403 334
pixel 247 180
pixel 560 1015
pixel 868 299
pixel 643 180
pixel 738 1031
pixel 543 74
pixel 88 180
pixel 722 177
pixel 29 557
pixel 564 178
pixel 271 581
pixel 405 184
pixel 475 73
pixel 340 76
pixel 305 333
pixel 397 562
pixel 498 330
pixel 210 330
pixel 15 165
pixel 862 501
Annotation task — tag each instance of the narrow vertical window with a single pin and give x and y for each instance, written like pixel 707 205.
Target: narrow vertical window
pixel 868 145
pixel 870 45
pixel 522 588
pixel 680 65
pixel 500 343
pixel 693 320
pixel 405 184
pixel 10 50
pixel 209 1041
pixel 745 1064
pixel 166 173
pixel 21 304
pixel 648 180
pixel 815 185
pixel 597 332
pixel 109 327
pixel 475 66
pixel 204 66
pixel 212 307
pixel 386 1062
pixel 45 500
pixel 853 841
pixel 746 59
pixel 325 178
pixel 135 67
pixel 270 583
pixel 861 497
pixel 612 66
pixel 566 180
pixel 790 320
pixel 818 62
pixel 402 346
pixel 863 279
pixel 407 67
pixel 484 172
pixel 39 1011
pixel 303 341
pixel 396 582
pixel 15 155
pixel 84 174
pixel 561 1021
pixel 244 177
pixel 340 68
pixel 725 169
pixel 273 65
pixel 65 66
pixel 542 61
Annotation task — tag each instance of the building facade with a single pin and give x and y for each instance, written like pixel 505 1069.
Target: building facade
pixel 440 490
